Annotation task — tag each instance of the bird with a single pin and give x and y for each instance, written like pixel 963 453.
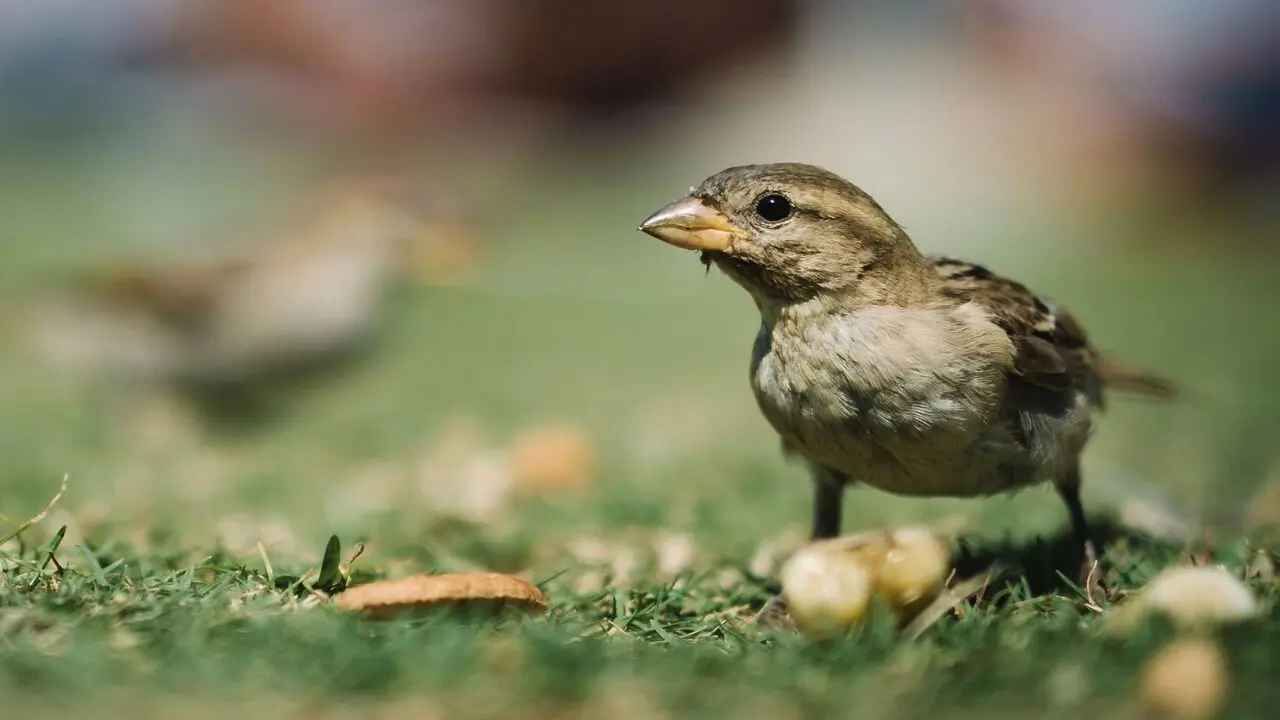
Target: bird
pixel 299 303
pixel 879 365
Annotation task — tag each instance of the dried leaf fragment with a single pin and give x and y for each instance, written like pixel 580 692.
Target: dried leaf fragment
pixel 480 590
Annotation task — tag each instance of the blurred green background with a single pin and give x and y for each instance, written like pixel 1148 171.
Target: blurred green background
pixel 1001 133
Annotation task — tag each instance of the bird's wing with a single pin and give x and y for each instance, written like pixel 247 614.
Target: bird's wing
pixel 1051 350
pixel 181 295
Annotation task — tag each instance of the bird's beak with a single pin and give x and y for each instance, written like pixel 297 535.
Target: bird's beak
pixel 692 224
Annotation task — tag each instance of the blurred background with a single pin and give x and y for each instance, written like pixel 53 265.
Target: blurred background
pixel 279 268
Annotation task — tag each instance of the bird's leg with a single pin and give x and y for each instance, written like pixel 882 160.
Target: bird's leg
pixel 828 499
pixel 1069 489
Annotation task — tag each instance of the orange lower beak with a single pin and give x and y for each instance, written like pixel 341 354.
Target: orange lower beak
pixel 692 224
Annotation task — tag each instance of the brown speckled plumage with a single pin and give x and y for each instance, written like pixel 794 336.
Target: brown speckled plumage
pixel 879 365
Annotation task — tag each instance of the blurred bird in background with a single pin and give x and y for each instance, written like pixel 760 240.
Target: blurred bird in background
pixel 302 300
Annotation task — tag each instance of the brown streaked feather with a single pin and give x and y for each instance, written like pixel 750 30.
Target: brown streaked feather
pixel 1052 350
pixel 181 296
pixel 1126 378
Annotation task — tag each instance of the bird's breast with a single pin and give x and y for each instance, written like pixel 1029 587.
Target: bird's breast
pixel 890 400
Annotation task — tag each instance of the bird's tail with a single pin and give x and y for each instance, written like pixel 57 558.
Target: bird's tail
pixel 1128 379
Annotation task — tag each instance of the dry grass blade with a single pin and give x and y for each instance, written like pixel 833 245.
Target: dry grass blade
pixel 38 516
pixel 948 600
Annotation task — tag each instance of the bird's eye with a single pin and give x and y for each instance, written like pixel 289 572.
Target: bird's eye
pixel 774 208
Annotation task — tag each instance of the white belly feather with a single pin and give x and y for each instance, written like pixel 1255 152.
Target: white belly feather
pixel 905 400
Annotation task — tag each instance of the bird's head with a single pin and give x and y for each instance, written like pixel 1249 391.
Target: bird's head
pixel 791 233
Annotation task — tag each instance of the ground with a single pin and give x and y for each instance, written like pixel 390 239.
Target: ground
pixel 165 595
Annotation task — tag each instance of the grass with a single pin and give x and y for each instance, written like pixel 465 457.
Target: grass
pixel 173 576
pixel 139 628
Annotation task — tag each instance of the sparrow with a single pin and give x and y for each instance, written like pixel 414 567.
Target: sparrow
pixel 878 365
pixel 307 296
